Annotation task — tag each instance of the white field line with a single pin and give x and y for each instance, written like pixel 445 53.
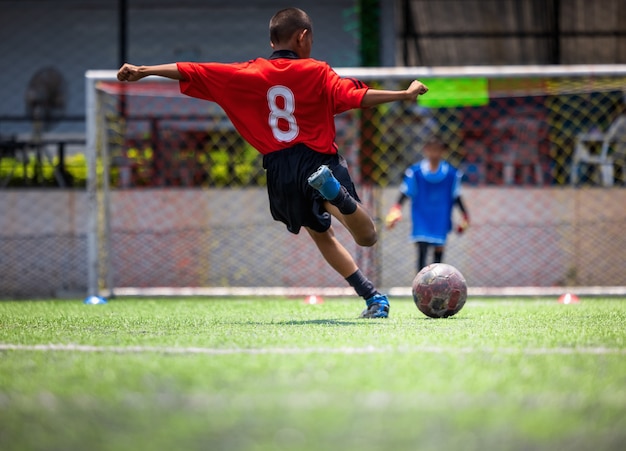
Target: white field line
pixel 303 351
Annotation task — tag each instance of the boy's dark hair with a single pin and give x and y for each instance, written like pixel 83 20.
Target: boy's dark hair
pixel 286 22
pixel 436 140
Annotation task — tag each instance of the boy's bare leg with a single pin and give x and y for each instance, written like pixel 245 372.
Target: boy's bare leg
pixel 377 305
pixel 333 252
pixel 343 206
pixel 359 224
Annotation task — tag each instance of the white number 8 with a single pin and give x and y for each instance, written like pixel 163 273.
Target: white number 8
pixel 285 113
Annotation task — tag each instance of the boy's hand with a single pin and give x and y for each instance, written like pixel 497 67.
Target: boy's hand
pixel 394 215
pixel 463 225
pixel 416 88
pixel 129 72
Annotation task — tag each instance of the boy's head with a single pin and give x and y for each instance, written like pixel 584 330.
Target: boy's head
pixel 291 29
pixel 434 149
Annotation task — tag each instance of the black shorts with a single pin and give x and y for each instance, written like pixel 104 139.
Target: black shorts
pixel 292 200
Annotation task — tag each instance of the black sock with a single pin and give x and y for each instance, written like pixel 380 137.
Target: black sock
pixel 344 202
pixel 362 285
pixel 422 252
pixel 438 256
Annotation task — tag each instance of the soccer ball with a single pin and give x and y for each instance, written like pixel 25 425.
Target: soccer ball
pixel 439 290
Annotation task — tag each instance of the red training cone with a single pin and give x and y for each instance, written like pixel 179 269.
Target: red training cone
pixel 568 298
pixel 313 299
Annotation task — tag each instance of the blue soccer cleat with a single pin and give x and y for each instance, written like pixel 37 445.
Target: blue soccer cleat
pixel 377 307
pixel 325 182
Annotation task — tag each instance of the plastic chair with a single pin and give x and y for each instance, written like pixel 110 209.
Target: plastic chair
pixel 519 139
pixel 614 138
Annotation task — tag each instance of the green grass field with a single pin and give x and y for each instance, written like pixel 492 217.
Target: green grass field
pixel 144 374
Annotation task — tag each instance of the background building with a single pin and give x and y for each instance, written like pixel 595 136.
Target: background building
pixel 75 36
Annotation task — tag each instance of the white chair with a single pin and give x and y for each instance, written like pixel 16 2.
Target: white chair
pixel 613 139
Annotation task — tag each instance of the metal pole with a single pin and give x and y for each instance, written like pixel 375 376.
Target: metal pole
pixel 123 30
pixel 92 193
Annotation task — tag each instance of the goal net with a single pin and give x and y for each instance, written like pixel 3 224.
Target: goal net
pixel 178 204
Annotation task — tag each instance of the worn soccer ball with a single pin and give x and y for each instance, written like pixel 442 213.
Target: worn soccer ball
pixel 439 290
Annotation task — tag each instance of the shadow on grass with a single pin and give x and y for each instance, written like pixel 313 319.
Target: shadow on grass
pixel 324 322
pixel 342 322
pixel 308 322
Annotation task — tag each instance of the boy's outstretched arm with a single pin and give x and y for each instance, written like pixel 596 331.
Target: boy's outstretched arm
pixel 130 72
pixel 464 224
pixel 395 212
pixel 375 97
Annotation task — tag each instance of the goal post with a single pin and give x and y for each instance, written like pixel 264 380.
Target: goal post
pixel 98 189
pixel 177 202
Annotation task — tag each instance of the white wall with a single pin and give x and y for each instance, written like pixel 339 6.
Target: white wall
pixel 519 237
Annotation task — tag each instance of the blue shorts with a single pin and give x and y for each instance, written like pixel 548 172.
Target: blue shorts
pixel 292 200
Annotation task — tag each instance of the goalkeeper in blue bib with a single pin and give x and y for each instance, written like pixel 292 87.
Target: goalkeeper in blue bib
pixel 434 187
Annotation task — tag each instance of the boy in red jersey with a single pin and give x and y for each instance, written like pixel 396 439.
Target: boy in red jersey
pixel 284 106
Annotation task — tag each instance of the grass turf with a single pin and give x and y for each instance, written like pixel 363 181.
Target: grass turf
pixel 259 374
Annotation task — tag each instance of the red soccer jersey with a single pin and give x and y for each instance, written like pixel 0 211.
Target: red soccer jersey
pixel 276 103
